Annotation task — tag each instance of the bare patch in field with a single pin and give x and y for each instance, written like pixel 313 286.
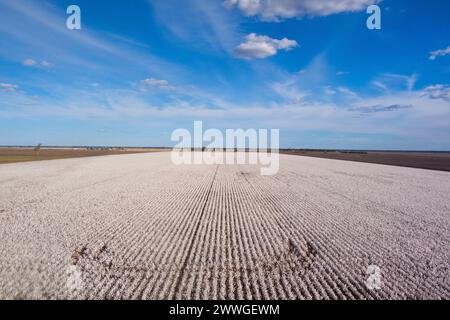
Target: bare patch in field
pixel 11 155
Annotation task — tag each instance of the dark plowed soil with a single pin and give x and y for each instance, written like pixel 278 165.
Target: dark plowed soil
pixel 422 160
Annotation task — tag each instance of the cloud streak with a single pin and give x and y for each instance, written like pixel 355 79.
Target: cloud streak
pixel 438 91
pixel 8 87
pixel 408 113
pixel 42 30
pixel 392 80
pixel 151 83
pixel 33 63
pixel 203 24
pixel 380 108
pixel 439 53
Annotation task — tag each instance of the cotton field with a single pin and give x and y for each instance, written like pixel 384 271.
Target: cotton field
pixel 137 226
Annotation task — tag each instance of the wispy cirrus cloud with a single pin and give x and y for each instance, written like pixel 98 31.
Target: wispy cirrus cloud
pixel 380 108
pixel 151 84
pixel 409 113
pixel 285 9
pixel 33 63
pixel 42 30
pixel 417 114
pixel 394 81
pixel 437 91
pixel 347 91
pixel 203 24
pixel 379 85
pixel 46 64
pixel 29 62
pixel 8 87
pixel 182 67
pixel 439 53
pixel 259 47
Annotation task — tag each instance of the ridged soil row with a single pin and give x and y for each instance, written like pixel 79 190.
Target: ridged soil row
pixel 149 244
pixel 335 235
pixel 205 232
pixel 174 239
pixel 241 252
pixel 316 286
pixel 342 237
pixel 309 286
pixel 210 259
pixel 57 219
pixel 399 272
pixel 108 254
pixel 263 236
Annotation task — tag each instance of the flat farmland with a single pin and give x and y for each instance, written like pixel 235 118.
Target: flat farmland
pixel 19 154
pixel 136 226
pixel 420 160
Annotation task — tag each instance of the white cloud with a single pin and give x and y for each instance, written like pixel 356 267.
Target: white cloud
pixel 438 91
pixel 29 62
pixel 404 115
pixel 379 108
pixel 411 81
pixel 391 80
pixel 379 85
pixel 155 82
pixel 33 63
pixel 347 91
pixel 151 83
pixel 289 92
pixel 283 9
pixel 260 47
pixel 30 27
pixel 439 53
pixel 204 24
pixel 8 87
pixel 46 64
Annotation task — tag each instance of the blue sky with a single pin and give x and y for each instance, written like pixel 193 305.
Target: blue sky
pixel 139 69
